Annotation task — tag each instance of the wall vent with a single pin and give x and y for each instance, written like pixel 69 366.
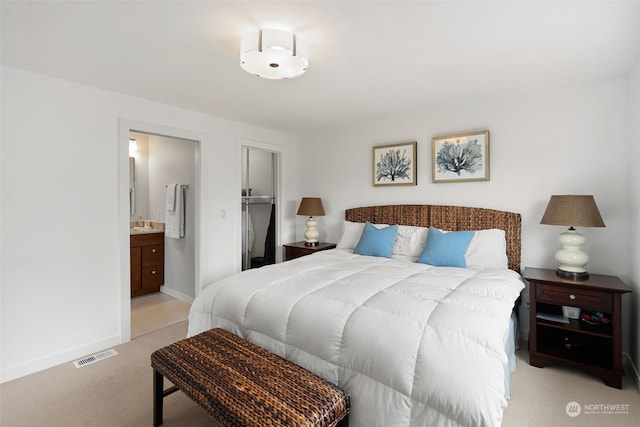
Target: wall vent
pixel 94 358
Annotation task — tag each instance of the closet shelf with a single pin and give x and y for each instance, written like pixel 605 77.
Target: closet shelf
pixel 254 200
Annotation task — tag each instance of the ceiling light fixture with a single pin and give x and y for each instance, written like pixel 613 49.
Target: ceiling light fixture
pixel 273 54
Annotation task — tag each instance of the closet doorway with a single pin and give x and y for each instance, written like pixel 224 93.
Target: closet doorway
pixel 260 204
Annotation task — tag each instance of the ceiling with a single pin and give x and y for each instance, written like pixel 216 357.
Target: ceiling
pixel 367 58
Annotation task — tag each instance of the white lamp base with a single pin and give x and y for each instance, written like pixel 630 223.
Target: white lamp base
pixel 311 233
pixel 571 258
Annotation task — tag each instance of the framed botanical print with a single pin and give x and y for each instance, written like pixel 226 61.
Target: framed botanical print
pixel 462 157
pixel 395 164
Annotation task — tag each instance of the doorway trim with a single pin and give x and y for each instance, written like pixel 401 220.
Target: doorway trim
pixel 125 126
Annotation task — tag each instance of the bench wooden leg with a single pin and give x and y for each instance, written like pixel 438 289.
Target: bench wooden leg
pixel 159 393
pixel 158 396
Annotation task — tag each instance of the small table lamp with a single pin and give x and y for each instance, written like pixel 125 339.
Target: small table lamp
pixel 311 206
pixel 570 210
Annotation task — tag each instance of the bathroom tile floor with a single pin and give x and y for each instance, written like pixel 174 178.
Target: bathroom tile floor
pixel 154 311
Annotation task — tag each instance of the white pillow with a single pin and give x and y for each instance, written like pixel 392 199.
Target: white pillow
pixel 410 240
pixel 488 249
pixel 351 233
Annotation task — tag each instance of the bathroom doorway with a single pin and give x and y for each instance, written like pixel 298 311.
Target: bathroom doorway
pixel 163 159
pixel 162 163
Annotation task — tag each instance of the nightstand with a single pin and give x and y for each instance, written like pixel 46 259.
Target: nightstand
pixel 298 249
pixel 595 348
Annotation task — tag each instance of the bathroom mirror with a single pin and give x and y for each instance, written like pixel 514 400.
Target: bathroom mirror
pixel 132 186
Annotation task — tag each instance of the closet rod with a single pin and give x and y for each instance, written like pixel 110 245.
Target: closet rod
pixel 258 200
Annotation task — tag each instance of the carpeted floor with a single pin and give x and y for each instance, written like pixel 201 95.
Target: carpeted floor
pixel 540 398
pixel 117 392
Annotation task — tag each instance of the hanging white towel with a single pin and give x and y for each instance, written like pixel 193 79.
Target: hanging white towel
pixel 171 197
pixel 174 225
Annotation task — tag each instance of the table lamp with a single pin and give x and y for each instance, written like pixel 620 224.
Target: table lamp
pixel 572 211
pixel 311 206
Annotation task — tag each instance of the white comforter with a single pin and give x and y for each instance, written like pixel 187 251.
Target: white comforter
pixel 414 345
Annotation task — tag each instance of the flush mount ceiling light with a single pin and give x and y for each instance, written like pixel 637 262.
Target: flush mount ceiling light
pixel 273 54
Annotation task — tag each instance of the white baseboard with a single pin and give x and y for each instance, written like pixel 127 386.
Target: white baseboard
pixel 176 294
pixel 631 369
pixel 20 370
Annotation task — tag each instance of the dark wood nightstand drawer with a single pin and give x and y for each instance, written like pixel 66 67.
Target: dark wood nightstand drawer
pixel 299 249
pixel 292 253
pixel 586 299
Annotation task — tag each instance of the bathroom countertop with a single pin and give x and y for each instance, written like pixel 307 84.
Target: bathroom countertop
pixel 156 227
pixel 149 231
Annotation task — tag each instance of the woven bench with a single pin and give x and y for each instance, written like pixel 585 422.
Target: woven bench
pixel 241 384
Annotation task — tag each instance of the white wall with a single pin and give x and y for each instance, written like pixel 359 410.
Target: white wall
pixel 634 224
pixel 566 141
pixel 173 160
pixel 64 212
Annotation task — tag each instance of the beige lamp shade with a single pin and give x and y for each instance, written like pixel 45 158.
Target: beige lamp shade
pixel 311 206
pixel 578 211
pixel 572 211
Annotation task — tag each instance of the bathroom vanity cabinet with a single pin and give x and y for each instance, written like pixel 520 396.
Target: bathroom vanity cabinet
pixel 147 263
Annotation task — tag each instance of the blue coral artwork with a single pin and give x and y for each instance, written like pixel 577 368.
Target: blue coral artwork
pixel 461 157
pixel 394 164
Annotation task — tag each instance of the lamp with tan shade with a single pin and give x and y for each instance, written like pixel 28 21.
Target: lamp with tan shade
pixel 311 206
pixel 572 211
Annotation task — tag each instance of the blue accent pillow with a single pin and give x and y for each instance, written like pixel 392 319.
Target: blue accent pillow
pixel 446 249
pixel 376 242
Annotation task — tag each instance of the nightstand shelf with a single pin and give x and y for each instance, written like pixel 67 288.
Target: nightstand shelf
pixel 586 352
pixel 602 331
pixel 593 348
pixel 298 249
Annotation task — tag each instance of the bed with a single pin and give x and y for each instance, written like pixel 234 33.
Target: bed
pixel 414 344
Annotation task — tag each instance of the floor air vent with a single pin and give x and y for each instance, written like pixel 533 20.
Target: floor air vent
pixel 94 358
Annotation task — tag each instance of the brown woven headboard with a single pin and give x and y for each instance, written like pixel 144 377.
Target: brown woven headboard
pixel 446 218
